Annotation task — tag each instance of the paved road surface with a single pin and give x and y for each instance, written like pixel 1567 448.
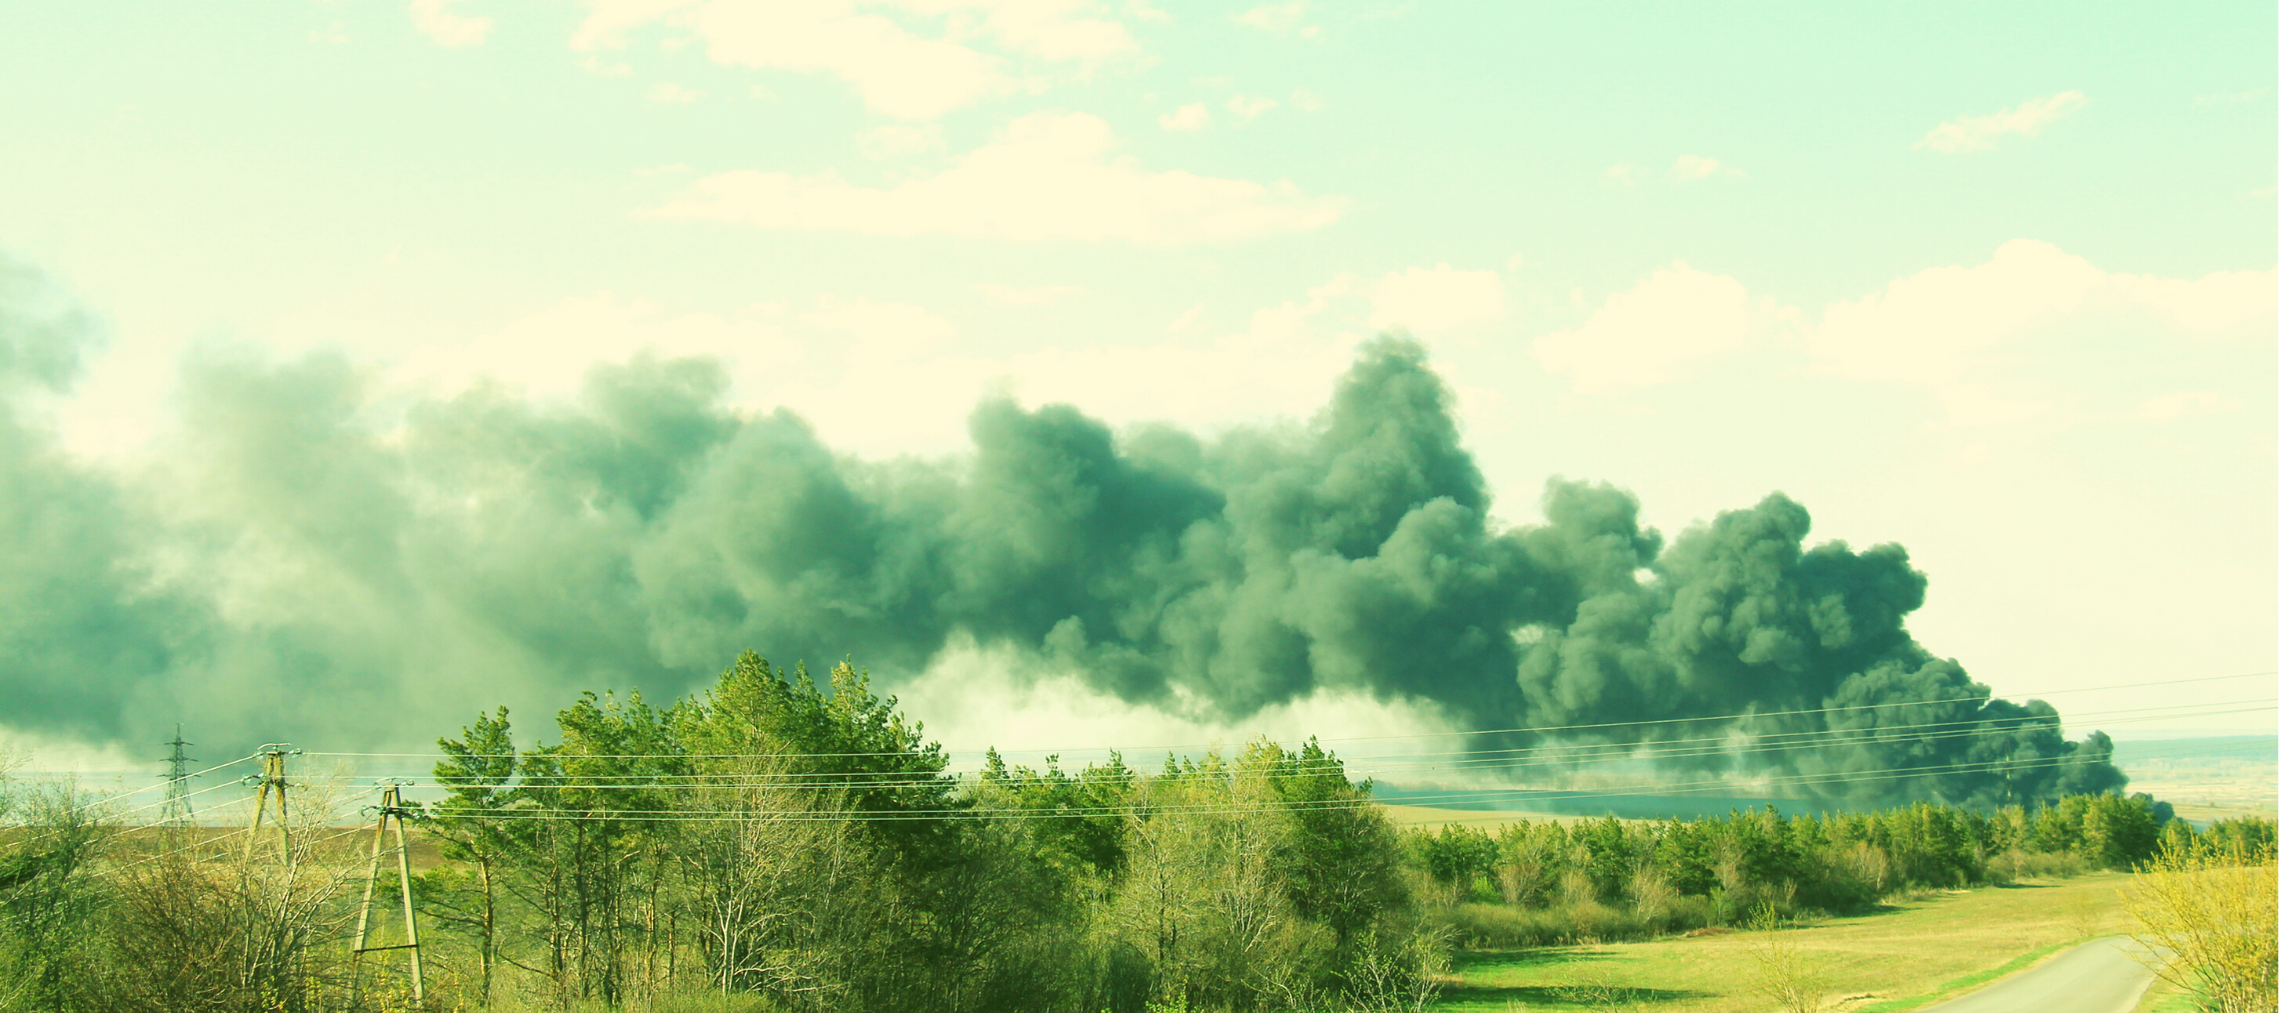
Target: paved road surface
pixel 2099 976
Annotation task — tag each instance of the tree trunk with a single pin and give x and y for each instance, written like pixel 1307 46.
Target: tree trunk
pixel 490 923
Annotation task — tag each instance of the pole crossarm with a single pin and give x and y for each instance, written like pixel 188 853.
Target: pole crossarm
pixel 272 776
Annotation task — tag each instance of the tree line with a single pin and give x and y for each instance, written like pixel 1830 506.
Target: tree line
pixel 1535 882
pixel 773 843
pixel 774 838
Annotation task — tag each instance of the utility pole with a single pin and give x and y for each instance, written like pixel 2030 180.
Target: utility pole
pixel 391 807
pixel 177 813
pixel 272 775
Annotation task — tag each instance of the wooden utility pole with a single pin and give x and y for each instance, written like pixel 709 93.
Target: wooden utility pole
pixel 272 776
pixel 391 807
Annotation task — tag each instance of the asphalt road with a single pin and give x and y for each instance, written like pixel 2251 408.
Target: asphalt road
pixel 2099 976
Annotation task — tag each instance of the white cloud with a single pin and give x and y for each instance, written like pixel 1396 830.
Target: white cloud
pixel 1434 299
pixel 835 360
pixel 895 140
pixel 1192 116
pixel 673 94
pixel 595 66
pixel 2186 404
pixel 901 72
pixel 882 332
pixel 1050 177
pixel 1282 364
pixel 1934 325
pixel 1054 30
pixel 1995 343
pixel 1028 295
pixel 1977 133
pixel 1307 101
pixel 1948 327
pixel 2230 98
pixel 434 19
pixel 2217 302
pixel 607 21
pixel 1685 169
pixel 1689 167
pixel 1676 317
pixel 897 73
pixel 1247 108
pixel 1277 18
pixel 548 352
pixel 1141 10
pixel 1290 322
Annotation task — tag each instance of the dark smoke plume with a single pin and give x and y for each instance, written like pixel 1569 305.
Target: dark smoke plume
pixel 313 561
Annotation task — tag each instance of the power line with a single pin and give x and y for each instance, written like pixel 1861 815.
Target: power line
pixel 137 791
pixel 219 839
pixel 1072 812
pixel 1351 769
pixel 1521 730
pixel 1474 796
pixel 35 838
pixel 1822 738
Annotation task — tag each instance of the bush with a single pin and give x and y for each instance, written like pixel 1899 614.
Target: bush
pixel 2014 864
pixel 1507 927
pixel 1786 976
pixel 2212 908
pixel 1845 877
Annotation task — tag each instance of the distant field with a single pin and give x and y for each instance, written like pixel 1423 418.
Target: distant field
pixel 1510 803
pixel 208 843
pixel 1880 963
pixel 1488 820
pixel 2206 779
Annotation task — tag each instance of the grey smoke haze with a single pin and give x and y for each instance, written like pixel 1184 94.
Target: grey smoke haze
pixel 314 562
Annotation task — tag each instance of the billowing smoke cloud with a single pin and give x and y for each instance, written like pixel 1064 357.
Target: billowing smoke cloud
pixel 317 560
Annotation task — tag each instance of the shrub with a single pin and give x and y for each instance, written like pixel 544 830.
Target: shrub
pixel 1786 975
pixel 2212 909
pixel 1506 927
pixel 2014 864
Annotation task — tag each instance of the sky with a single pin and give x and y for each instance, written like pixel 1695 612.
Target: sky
pixel 1993 283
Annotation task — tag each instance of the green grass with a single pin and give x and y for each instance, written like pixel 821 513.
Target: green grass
pixel 2167 998
pixel 1904 956
pixel 1969 981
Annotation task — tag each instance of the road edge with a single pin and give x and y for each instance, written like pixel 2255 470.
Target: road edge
pixel 1976 980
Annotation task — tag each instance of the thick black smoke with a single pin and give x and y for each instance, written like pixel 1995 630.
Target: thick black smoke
pixel 314 561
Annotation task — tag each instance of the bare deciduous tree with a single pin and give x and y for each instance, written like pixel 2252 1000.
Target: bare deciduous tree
pixel 1786 976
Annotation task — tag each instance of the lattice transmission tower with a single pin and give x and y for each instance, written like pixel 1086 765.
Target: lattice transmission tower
pixel 177 812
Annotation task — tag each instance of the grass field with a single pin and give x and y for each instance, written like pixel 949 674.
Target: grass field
pixel 1904 957
pixel 2206 779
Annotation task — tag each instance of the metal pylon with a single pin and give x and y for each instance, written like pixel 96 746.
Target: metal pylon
pixel 391 807
pixel 177 812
